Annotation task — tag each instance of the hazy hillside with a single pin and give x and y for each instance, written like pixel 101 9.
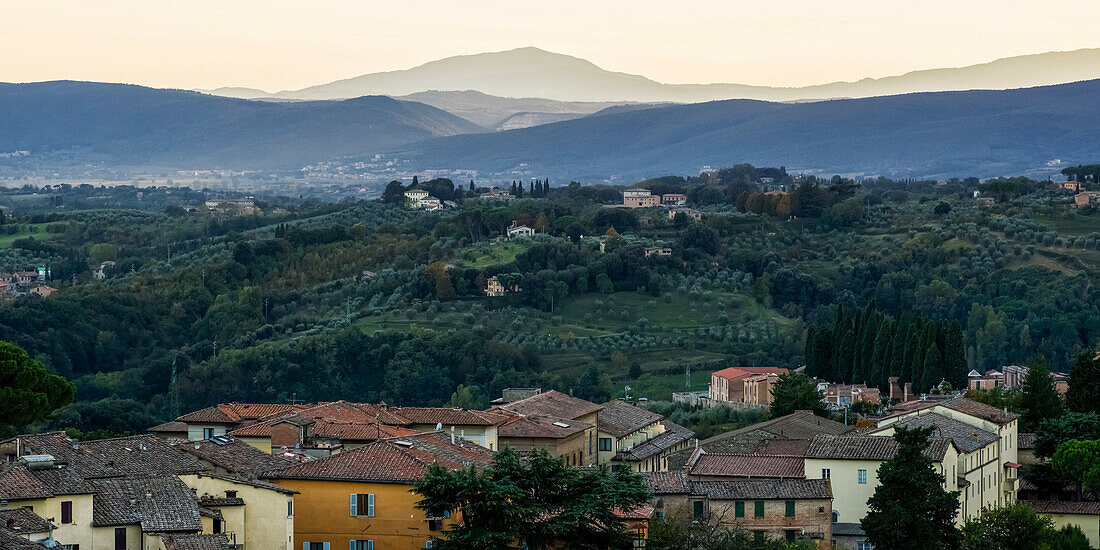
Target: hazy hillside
pixel 531 72
pixel 978 132
pixel 497 112
pixel 126 124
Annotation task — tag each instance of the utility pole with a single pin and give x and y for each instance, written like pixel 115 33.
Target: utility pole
pixel 687 377
pixel 215 352
pixel 174 392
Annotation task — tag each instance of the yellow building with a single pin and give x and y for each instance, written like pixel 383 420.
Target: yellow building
pixel 852 463
pixel 1083 514
pixel 563 411
pixel 363 499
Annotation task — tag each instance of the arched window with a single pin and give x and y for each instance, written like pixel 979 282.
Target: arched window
pixel 836 516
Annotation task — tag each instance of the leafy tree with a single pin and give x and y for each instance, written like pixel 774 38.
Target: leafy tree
pixel 910 509
pixel 1054 432
pixel 28 392
pixel 537 503
pixel 700 237
pixel 1039 400
pixel 394 193
pixel 795 391
pixel 102 252
pixel 942 209
pixel 1014 527
pixel 468 397
pixel 1079 461
pixel 1084 383
pixel 555 290
pixel 1069 537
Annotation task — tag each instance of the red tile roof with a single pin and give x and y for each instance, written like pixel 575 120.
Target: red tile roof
pixel 397 460
pixel 448 416
pixel 169 428
pixel 230 413
pixel 736 373
pixel 620 419
pixel 23 520
pixel 748 465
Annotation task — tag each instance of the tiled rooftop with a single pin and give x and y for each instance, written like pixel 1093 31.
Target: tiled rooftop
pixel 673 435
pixel 553 403
pixel 11 541
pixel 746 465
pixel 736 373
pixel 195 542
pixel 448 416
pixel 1025 440
pixel 966 437
pixel 161 504
pixel 1072 507
pixel 764 489
pixel 234 456
pixel 548 427
pixel 23 521
pixel 143 455
pixel 18 482
pixel 867 447
pixel 963 405
pixel 399 460
pixel 620 419
pixel 666 483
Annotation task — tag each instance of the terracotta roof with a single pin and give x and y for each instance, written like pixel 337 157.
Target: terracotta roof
pixel 448 416
pixel 797 425
pixel 143 455
pixel 23 520
pixel 195 542
pixel 356 431
pixel 1025 440
pixel 230 413
pixel 1075 507
pixel 549 427
pixel 398 460
pixel 233 456
pixel 867 447
pixel 673 435
pixel 340 411
pixel 11 541
pixel 666 483
pixel 736 373
pixel 621 419
pixel 966 437
pixel 745 465
pixel 18 482
pixel 57 444
pixel 159 504
pixel 640 512
pixel 169 427
pixel 764 489
pixel 553 403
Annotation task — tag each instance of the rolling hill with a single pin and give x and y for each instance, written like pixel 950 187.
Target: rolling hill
pixel 505 112
pixel 134 125
pixel 981 133
pixel 532 72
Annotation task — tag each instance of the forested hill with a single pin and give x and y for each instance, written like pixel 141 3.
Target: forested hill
pixel 124 124
pixel 986 133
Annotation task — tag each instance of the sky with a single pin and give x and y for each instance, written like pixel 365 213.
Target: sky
pixel 281 44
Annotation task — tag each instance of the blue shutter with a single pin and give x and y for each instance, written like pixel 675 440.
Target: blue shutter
pixel 370 545
pixel 353 547
pixel 305 546
pixel 354 512
pixel 326 546
pixel 370 505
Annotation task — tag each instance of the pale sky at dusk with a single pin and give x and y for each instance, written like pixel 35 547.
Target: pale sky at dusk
pixel 278 44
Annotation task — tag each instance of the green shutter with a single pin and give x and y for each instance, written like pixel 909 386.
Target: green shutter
pixel 739 509
pixel 759 508
pixel 790 508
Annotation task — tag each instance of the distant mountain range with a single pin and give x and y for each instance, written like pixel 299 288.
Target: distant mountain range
pixel 535 73
pixel 505 113
pixel 133 125
pixel 983 133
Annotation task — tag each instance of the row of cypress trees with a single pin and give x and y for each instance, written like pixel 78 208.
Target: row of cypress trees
pixel 868 346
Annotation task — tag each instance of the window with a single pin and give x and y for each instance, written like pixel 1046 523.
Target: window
pixel 862 474
pixel 315 546
pixel 790 535
pixel 605 444
pixel 362 505
pixel 758 538
pixel 758 509
pixel 428 544
pixel 825 473
pixel 863 545
pixel 697 509
pixel 217 526
pixel 290 508
pixel 790 508
pixel 362 545
pixel 231 494
pixel 836 516
pixel 67 511
pixel 208 433
pixel 120 538
pixel 739 509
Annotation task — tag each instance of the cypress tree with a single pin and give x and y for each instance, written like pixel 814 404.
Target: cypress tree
pixel 1039 399
pixel 933 367
pixel 897 346
pixel 842 365
pixel 954 355
pixel 881 353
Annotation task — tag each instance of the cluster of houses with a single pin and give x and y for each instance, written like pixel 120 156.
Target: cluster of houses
pixel 644 198
pixel 1010 376
pixel 21 283
pixel 1086 198
pixel 233 207
pixel 340 474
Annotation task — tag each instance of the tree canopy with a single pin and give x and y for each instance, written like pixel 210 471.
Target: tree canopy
pixel 28 392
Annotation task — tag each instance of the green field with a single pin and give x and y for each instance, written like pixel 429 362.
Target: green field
pixel 6 240
pixel 495 254
pixel 1072 223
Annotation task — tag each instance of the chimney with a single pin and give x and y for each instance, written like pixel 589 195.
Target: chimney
pixel 452 435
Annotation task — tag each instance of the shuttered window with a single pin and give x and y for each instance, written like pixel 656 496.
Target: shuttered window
pixel 67 511
pixel 759 509
pixel 739 509
pixel 790 508
pixel 362 505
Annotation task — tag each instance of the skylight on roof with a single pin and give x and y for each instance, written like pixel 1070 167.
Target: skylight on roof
pixel 561 424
